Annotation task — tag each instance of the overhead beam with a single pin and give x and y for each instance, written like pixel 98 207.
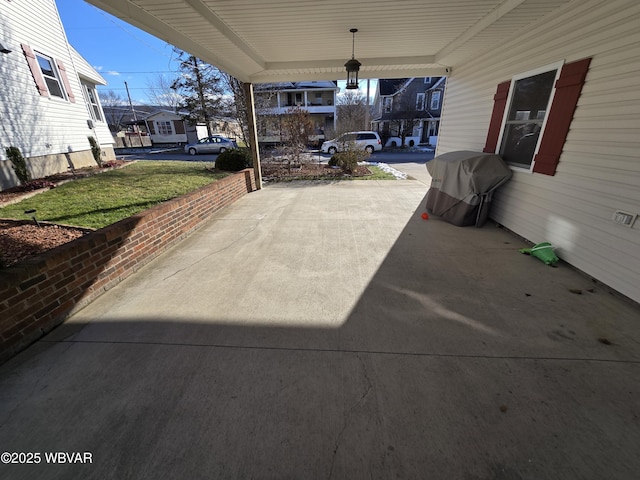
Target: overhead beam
pixel 339 64
pixel 211 17
pixel 296 76
pixel 485 22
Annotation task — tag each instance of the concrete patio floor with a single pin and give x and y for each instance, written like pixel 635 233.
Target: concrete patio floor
pixel 324 330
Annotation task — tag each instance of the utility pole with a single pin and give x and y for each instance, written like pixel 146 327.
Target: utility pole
pixel 367 125
pixel 135 118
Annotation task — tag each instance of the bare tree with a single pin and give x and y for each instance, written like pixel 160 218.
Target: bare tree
pixel 237 104
pixel 405 116
pixel 161 92
pixel 352 112
pixel 297 127
pixel 115 108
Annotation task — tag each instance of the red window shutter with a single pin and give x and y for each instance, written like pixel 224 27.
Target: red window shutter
pixel 499 104
pixel 568 88
pixel 65 81
pixel 35 70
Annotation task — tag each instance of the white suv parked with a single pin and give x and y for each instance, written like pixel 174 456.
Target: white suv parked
pixel 369 141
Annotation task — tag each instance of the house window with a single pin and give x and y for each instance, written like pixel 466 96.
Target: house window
pixel 420 101
pixel 388 104
pixel 567 89
pixel 51 75
pixel 528 104
pixel 427 79
pixel 164 128
pixel 92 102
pixel 435 100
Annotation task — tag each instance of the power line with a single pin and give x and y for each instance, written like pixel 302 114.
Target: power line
pixel 154 71
pixel 108 17
pixel 106 87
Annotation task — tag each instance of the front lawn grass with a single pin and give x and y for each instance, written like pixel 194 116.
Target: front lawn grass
pixel 377 174
pixel 103 199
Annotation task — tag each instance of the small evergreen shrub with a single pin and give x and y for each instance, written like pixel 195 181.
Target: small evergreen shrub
pixel 19 164
pixel 348 160
pixel 333 161
pixel 234 160
pixel 96 151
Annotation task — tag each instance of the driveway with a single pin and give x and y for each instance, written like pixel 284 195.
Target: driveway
pixel 324 330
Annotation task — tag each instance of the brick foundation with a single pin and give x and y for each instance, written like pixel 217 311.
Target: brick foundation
pixel 40 293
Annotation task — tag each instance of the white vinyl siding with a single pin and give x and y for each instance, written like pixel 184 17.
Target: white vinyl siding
pixel 42 127
pixel 599 170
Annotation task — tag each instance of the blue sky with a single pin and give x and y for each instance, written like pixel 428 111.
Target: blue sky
pixel 122 52
pixel 119 51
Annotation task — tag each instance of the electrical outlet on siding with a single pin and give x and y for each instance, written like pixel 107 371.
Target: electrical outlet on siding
pixel 625 219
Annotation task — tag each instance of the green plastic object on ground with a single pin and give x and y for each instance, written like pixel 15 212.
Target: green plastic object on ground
pixel 543 251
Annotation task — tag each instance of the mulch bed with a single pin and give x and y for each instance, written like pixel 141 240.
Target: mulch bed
pixel 280 171
pixel 20 240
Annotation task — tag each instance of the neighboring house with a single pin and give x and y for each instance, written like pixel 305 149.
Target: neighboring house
pixel 408 109
pixel 274 99
pixel 121 118
pixel 166 127
pixel 162 126
pixel 48 104
pixel 561 103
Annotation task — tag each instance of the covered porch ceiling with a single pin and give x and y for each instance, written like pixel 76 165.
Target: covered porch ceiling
pixel 260 41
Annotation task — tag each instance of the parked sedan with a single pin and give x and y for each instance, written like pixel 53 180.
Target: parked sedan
pixel 213 144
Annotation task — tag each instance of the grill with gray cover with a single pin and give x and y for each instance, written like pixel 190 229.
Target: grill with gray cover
pixel 462 184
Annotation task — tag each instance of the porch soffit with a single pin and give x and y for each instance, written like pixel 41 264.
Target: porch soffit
pixel 292 40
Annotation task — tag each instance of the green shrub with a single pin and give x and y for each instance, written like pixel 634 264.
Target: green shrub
pixel 19 164
pixel 95 150
pixel 234 160
pixel 333 161
pixel 348 160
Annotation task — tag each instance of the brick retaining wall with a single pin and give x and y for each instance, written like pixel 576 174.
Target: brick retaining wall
pixel 38 294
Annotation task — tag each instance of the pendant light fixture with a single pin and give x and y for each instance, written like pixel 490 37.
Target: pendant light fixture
pixel 353 65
